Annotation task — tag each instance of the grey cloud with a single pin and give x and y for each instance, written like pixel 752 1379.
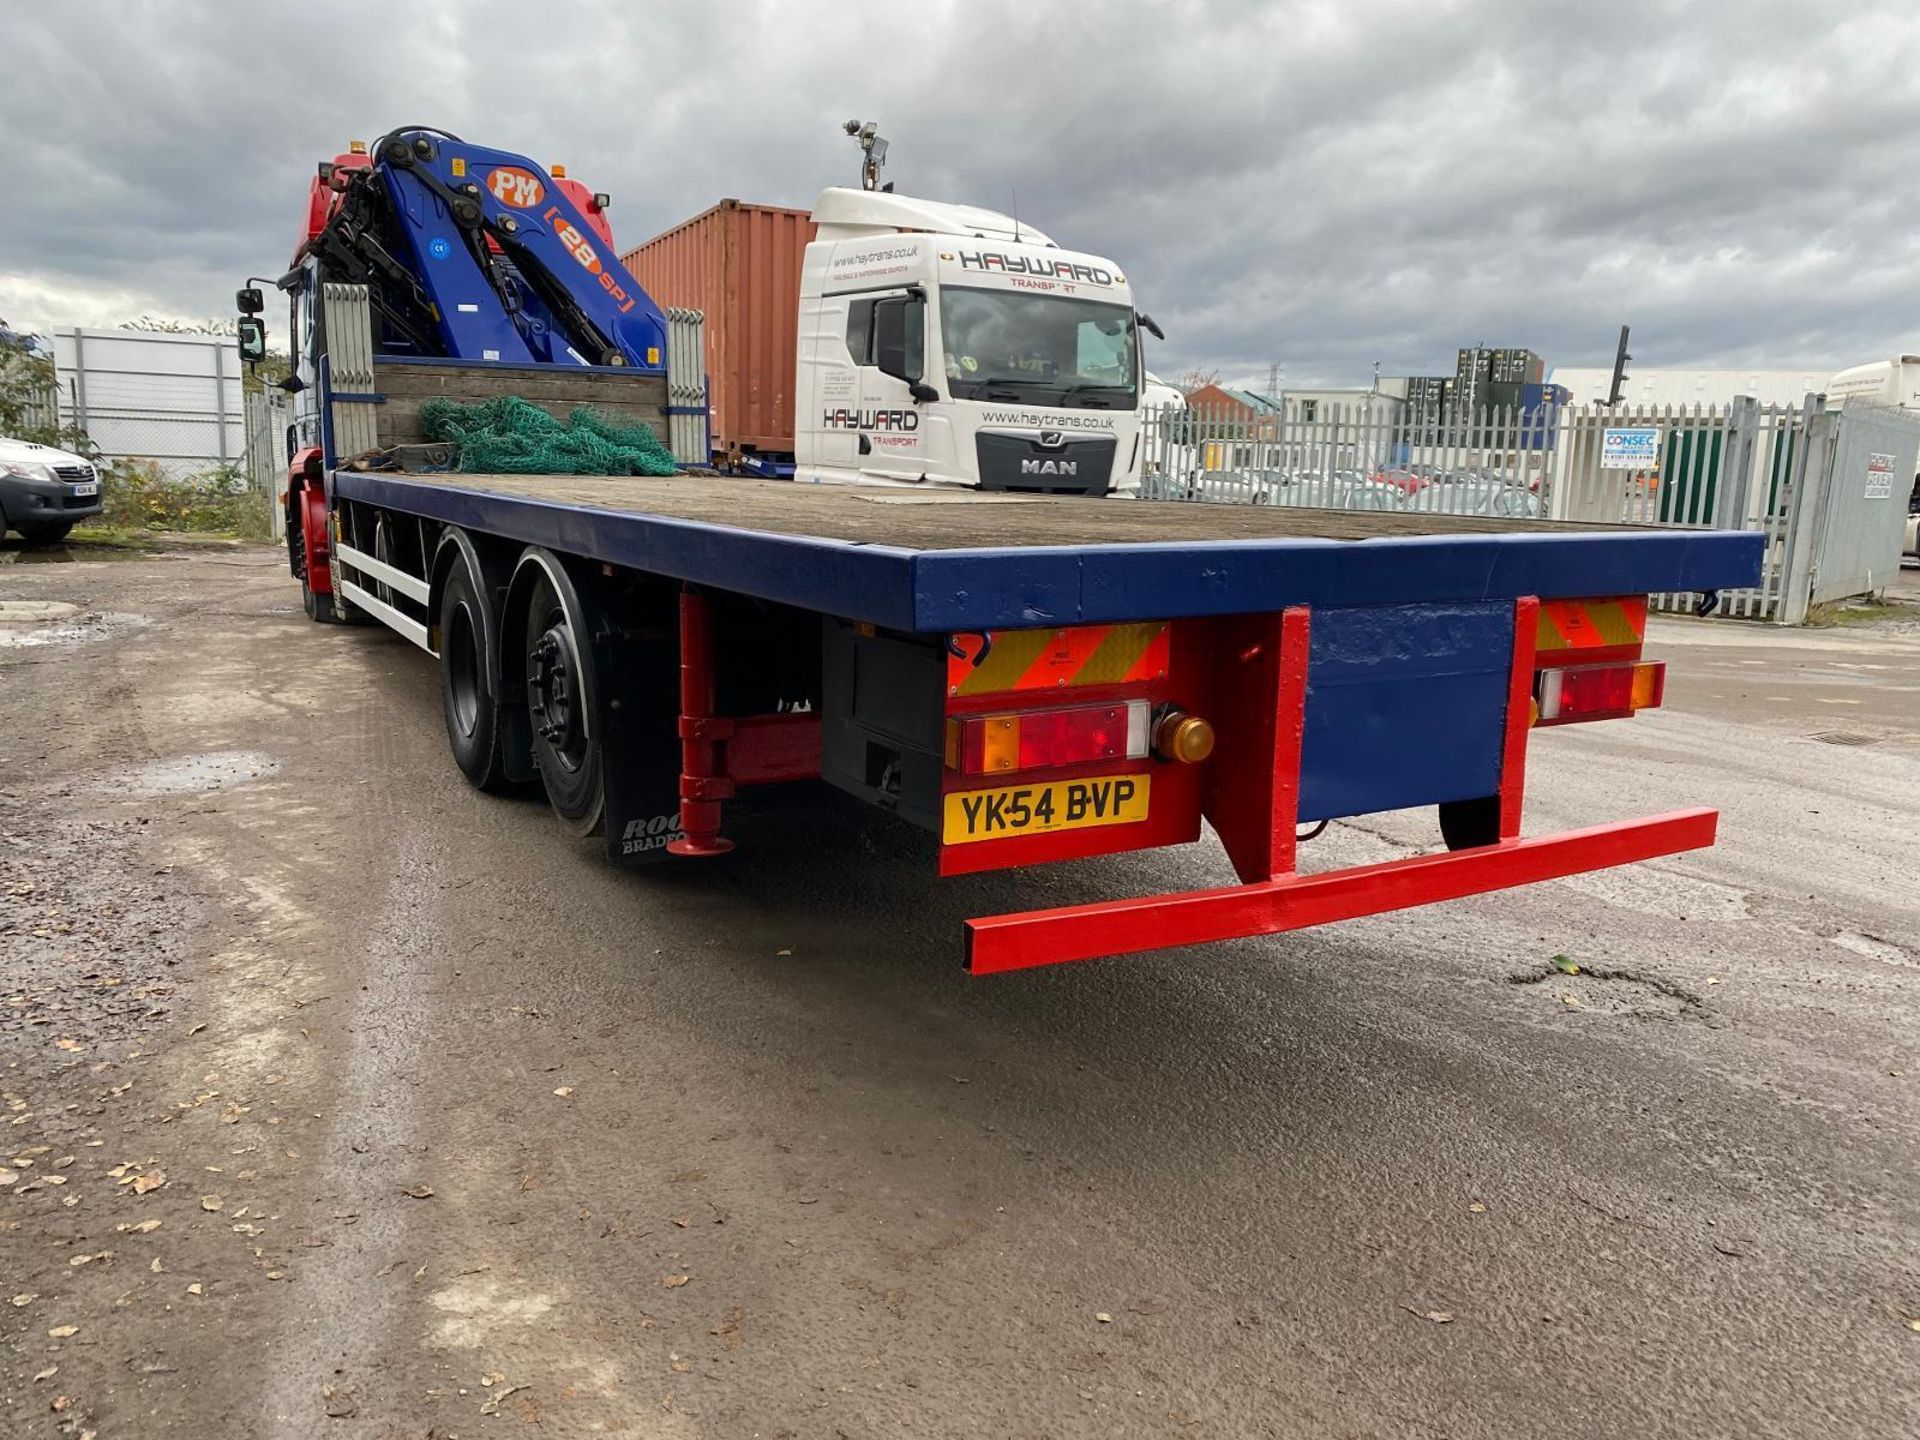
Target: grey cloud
pixel 1320 184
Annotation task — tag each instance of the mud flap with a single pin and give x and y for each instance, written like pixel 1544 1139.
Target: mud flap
pixel 640 745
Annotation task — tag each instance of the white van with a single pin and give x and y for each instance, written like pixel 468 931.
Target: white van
pixel 1884 382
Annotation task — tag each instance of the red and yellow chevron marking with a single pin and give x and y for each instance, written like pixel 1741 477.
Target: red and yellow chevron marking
pixel 1056 659
pixel 1591 625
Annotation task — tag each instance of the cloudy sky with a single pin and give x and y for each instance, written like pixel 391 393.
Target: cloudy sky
pixel 1322 185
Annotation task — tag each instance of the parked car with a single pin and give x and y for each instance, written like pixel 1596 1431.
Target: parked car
pixel 1477 494
pixel 1913 521
pixel 44 491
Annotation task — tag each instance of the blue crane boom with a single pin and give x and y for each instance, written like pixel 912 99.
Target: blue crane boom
pixel 477 254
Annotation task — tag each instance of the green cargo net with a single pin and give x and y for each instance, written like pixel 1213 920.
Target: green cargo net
pixel 509 436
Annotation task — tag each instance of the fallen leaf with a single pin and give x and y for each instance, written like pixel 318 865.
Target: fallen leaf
pixel 674 1282
pixel 145 1227
pixel 492 1378
pixel 1566 965
pixel 787 951
pixel 417 1192
pixel 196 1288
pixel 1569 1000
pixel 25 1298
pixel 9 1177
pixel 152 1180
pixel 47 1374
pixel 563 1091
pixel 156 1267
pixel 196 1029
pixel 65 1044
pixel 211 1202
pixel 1103 1317
pixel 60 1403
pixel 492 1406
pixel 62 1332
pixel 1913 1324
pixel 1438 1317
pixel 1477 1208
pixel 683 1221
pixel 728 1330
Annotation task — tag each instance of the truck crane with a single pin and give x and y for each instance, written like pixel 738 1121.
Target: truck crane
pixel 1025 678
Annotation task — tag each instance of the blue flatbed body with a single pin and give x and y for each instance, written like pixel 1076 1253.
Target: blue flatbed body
pixel 954 561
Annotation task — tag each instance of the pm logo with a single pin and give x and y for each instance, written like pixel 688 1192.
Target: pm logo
pixel 511 185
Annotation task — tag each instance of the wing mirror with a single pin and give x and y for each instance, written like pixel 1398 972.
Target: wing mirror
pixel 252 334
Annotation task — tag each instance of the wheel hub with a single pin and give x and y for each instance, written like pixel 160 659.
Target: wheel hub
pixel 553 693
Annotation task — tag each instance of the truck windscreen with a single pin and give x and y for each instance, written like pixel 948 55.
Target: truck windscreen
pixel 1041 349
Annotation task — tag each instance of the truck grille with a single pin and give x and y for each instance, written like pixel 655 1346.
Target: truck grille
pixel 1068 467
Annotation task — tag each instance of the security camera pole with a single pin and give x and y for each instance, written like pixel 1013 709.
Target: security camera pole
pixel 867 132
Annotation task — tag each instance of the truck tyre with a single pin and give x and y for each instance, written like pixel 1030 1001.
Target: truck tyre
pixel 555 660
pixel 47 532
pixel 319 607
pixel 1469 824
pixel 466 683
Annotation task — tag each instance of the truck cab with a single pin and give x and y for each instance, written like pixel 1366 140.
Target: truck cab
pixel 945 345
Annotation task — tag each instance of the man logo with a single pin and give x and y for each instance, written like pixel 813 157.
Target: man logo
pixel 1051 440
pixel 511 185
pixel 1049 467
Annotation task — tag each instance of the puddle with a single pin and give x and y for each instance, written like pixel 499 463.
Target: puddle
pixel 67 554
pixel 215 770
pixel 25 624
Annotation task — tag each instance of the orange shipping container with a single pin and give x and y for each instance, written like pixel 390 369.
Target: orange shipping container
pixel 740 264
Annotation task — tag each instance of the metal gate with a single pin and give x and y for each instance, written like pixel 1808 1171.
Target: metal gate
pixel 1858 507
pixel 1825 488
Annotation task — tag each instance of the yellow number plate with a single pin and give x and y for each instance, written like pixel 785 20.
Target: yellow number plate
pixel 1038 809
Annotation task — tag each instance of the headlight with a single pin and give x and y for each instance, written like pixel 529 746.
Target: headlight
pixel 28 470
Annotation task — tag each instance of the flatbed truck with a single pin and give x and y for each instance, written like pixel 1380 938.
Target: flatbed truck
pixel 1031 678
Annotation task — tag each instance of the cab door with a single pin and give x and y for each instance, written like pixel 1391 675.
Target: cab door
pixel 887 336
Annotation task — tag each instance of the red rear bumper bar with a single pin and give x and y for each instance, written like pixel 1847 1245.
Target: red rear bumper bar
pixel 1294 902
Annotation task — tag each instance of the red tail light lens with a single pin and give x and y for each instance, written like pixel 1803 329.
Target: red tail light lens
pixel 1042 739
pixel 1599 692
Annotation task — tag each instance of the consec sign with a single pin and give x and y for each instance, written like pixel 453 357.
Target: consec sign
pixel 1630 447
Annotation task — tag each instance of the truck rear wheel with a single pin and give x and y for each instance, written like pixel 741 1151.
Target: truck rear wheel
pixel 466 683
pixel 557 661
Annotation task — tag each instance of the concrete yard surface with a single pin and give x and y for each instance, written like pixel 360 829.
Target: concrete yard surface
pixel 341 1100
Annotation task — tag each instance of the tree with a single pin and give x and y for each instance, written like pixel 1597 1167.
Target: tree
pixel 1196 379
pixel 162 325
pixel 29 393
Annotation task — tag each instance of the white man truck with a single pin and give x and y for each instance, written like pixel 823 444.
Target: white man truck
pixel 934 344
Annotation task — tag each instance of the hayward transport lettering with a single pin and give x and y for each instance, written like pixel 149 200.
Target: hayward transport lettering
pixel 901 420
pixel 1035 265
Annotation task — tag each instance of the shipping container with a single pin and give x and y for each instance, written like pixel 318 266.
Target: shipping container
pixel 1517 367
pixel 740 264
pixel 1474 365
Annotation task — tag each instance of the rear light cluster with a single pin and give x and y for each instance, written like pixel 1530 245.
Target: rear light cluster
pixel 1043 739
pixel 1598 692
